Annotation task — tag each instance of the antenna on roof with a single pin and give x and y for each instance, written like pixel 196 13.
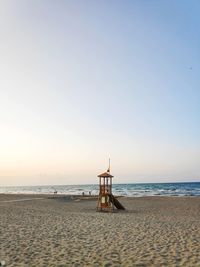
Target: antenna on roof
pixel 108 170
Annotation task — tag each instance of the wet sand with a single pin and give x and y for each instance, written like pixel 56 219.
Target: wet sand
pixel 41 230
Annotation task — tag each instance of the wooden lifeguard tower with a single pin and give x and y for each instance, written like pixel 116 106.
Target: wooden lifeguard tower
pixel 106 200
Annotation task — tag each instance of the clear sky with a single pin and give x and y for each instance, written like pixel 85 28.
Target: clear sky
pixel 82 81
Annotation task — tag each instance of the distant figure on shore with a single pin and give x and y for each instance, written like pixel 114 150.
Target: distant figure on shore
pixel 55 192
pixel 90 193
pixel 83 194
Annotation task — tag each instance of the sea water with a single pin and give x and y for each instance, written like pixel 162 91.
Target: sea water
pixel 130 190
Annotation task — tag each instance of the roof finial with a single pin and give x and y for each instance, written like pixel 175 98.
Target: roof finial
pixel 108 170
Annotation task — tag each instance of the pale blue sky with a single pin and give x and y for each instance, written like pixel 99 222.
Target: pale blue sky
pixel 82 81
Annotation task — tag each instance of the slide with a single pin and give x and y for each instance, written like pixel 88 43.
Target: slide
pixel 117 204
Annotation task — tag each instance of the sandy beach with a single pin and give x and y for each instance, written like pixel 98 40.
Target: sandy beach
pixel 41 230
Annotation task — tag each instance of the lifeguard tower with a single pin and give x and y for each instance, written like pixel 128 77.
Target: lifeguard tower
pixel 106 200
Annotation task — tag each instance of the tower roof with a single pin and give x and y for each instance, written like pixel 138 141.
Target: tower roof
pixel 105 175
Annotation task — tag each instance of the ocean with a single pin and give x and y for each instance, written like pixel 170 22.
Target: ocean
pixel 130 190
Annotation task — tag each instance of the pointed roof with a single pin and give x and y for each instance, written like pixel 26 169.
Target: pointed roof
pixel 105 175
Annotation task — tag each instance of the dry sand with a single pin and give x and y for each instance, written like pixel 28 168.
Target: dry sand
pixel 153 231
